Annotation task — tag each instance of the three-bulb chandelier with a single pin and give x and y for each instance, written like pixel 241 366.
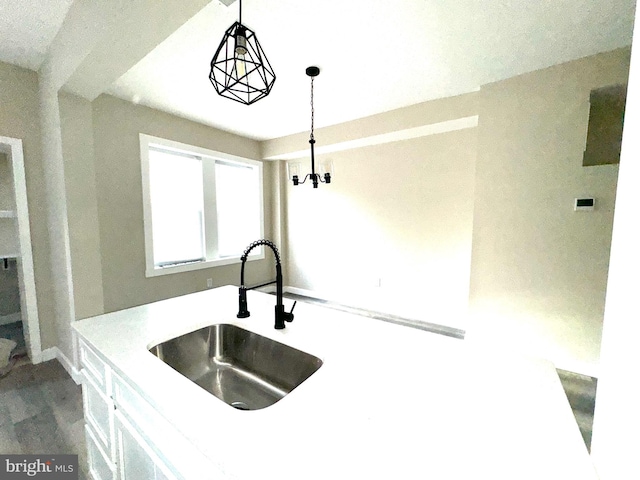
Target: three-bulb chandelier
pixel 325 175
pixel 240 69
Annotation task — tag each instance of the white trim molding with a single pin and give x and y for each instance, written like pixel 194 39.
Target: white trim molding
pixel 398 135
pixel 26 274
pixel 49 354
pixel 386 317
pixel 55 353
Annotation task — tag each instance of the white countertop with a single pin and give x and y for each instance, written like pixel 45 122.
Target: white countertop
pixel 388 402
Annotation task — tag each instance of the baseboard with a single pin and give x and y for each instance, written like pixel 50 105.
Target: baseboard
pixel 45 355
pixel 55 352
pixel 268 289
pixel 307 293
pixel 69 367
pixel 387 317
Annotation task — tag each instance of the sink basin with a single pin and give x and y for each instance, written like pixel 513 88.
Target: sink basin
pixel 243 369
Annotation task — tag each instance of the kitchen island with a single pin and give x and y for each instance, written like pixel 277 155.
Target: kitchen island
pixel 388 402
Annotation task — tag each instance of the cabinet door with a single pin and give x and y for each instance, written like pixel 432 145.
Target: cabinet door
pixel 100 467
pixel 98 412
pixel 136 460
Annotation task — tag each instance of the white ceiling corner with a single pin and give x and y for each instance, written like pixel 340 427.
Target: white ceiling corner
pixel 27 28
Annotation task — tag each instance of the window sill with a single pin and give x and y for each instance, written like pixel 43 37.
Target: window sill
pixel 219 262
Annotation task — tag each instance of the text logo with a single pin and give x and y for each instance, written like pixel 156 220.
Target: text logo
pixel 49 467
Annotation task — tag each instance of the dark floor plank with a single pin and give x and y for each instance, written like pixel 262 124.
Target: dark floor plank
pixel 41 413
pixel 41 434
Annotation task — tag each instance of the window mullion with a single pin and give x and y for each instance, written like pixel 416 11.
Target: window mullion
pixel 210 207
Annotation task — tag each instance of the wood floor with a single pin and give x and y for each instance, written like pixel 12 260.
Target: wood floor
pixel 581 393
pixel 41 413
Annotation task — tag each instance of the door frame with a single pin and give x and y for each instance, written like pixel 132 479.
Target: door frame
pixel 26 274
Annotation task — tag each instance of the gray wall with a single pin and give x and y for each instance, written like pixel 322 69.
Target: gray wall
pixel 9 288
pixel 20 118
pixel 116 128
pixel 76 123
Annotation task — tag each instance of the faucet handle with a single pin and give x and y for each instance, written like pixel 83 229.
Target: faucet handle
pixel 288 316
pixel 242 303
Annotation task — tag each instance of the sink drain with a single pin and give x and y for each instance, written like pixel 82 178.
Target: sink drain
pixel 240 405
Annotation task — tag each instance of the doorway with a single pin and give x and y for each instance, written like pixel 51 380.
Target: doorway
pixel 15 244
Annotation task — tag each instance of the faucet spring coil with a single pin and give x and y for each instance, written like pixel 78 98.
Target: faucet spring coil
pixel 257 243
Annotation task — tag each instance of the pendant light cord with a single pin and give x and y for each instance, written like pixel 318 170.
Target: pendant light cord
pixel 240 21
pixel 312 111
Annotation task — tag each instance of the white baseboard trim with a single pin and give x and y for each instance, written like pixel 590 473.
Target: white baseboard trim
pixel 340 305
pixel 268 289
pixel 297 291
pixel 68 366
pixel 46 355
pixel 11 318
pixel 308 293
pixel 55 352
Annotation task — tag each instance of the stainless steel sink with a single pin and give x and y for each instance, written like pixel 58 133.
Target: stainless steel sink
pixel 244 369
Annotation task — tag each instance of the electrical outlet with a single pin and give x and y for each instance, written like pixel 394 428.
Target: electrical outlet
pixel 209 282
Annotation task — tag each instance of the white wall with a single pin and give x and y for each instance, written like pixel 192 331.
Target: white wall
pixel 392 232
pixel 539 269
pixel 481 217
pixel 615 443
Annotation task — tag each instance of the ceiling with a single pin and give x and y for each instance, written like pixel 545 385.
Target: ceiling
pixel 27 28
pixel 374 56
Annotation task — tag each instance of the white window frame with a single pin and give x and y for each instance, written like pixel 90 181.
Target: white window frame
pixel 210 220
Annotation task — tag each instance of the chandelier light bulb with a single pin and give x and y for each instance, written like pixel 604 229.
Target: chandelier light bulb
pixel 241 65
pixel 241 51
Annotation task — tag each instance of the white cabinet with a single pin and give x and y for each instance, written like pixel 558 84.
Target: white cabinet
pixel 119 448
pixel 136 459
pixel 100 465
pixel 98 414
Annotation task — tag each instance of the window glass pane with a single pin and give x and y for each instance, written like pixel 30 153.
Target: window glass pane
pixel 238 207
pixel 176 207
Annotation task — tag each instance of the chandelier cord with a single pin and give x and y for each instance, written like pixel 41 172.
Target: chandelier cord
pixel 312 110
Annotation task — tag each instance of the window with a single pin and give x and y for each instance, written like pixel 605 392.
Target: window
pixel 201 208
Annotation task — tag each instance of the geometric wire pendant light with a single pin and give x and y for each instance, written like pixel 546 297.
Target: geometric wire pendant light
pixel 240 69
